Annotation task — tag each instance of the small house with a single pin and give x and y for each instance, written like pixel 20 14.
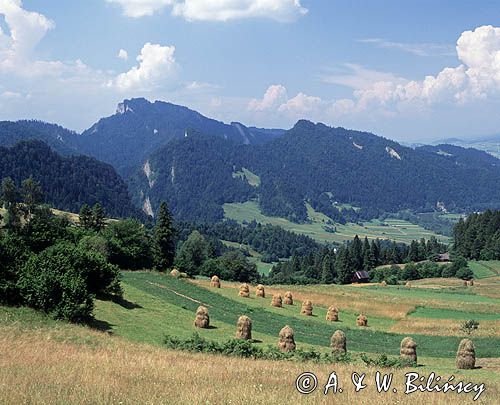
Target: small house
pixel 360 277
pixel 444 257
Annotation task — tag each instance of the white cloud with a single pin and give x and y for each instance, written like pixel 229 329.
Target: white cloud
pixel 123 54
pixel 476 78
pixel 358 77
pixel 216 10
pixel 275 96
pixel 27 28
pixel 156 66
pixel 418 49
pixel 301 104
pixel 141 8
pixel 224 10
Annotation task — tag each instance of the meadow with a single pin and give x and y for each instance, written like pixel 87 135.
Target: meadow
pixel 393 229
pixel 121 357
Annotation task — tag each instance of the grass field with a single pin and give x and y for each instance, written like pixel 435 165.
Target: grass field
pixel 393 229
pixel 44 361
pixel 47 362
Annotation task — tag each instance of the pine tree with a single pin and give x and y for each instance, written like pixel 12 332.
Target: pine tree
pixel 163 239
pixel 367 259
pixel 356 253
pixel 344 266
pixel 32 194
pixel 328 271
pixel 375 253
pixel 85 217
pixel 98 217
pixel 413 254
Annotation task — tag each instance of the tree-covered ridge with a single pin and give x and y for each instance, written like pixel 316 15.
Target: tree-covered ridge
pixel 478 237
pixel 140 127
pixel 320 165
pixel 68 182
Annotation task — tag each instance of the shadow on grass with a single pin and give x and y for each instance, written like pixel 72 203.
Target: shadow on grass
pixel 125 303
pixel 102 326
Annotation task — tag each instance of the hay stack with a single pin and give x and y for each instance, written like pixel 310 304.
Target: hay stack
pixel 307 308
pixel 244 328
pixel 383 283
pixel 465 283
pixel 276 302
pixel 260 292
pixel 408 350
pixel 202 319
pixel 362 320
pixel 286 343
pixel 333 314
pixel 408 284
pixel 215 282
pixel 244 291
pixel 466 355
pixel 175 273
pixel 470 283
pixel 288 298
pixel 338 343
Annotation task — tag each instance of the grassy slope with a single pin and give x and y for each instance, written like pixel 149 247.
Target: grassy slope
pixel 168 305
pixel 49 362
pixel 401 231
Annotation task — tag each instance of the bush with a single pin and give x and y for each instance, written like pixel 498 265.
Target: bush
pixel 245 348
pixel 469 326
pixel 129 244
pixel 385 362
pixel 63 280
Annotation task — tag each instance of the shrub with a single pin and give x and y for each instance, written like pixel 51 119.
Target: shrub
pixel 384 361
pixel 63 280
pixel 469 326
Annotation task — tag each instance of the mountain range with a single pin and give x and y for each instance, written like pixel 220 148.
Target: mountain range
pixel 166 152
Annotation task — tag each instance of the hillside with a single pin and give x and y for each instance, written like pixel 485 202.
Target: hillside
pixel 140 127
pixel 66 363
pixel 326 167
pixel 169 152
pixel 67 182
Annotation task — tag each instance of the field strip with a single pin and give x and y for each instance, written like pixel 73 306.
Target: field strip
pixel 176 293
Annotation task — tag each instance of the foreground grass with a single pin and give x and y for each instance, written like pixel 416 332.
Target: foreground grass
pixel 48 362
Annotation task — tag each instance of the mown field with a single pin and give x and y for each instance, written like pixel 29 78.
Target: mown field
pixel 393 229
pixel 122 359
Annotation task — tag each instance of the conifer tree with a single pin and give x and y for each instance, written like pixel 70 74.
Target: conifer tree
pixel 163 239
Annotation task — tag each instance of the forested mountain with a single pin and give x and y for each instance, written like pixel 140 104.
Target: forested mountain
pixel 139 128
pixel 68 182
pixel 321 165
pixel 170 153
pixel 58 138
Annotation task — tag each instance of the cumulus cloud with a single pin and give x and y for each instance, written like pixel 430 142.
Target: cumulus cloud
pixel 476 78
pixel 123 54
pixel 274 97
pixel 216 10
pixel 27 28
pixel 156 65
pixel 141 8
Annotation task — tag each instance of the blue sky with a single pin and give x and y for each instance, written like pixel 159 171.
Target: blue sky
pixel 412 70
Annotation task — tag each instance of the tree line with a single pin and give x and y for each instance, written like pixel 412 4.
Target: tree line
pixel 332 265
pixel 478 236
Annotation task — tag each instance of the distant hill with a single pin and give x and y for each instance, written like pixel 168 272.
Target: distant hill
pixel 68 182
pixel 321 165
pixel 140 127
pixel 58 138
pixel 489 143
pixel 169 152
